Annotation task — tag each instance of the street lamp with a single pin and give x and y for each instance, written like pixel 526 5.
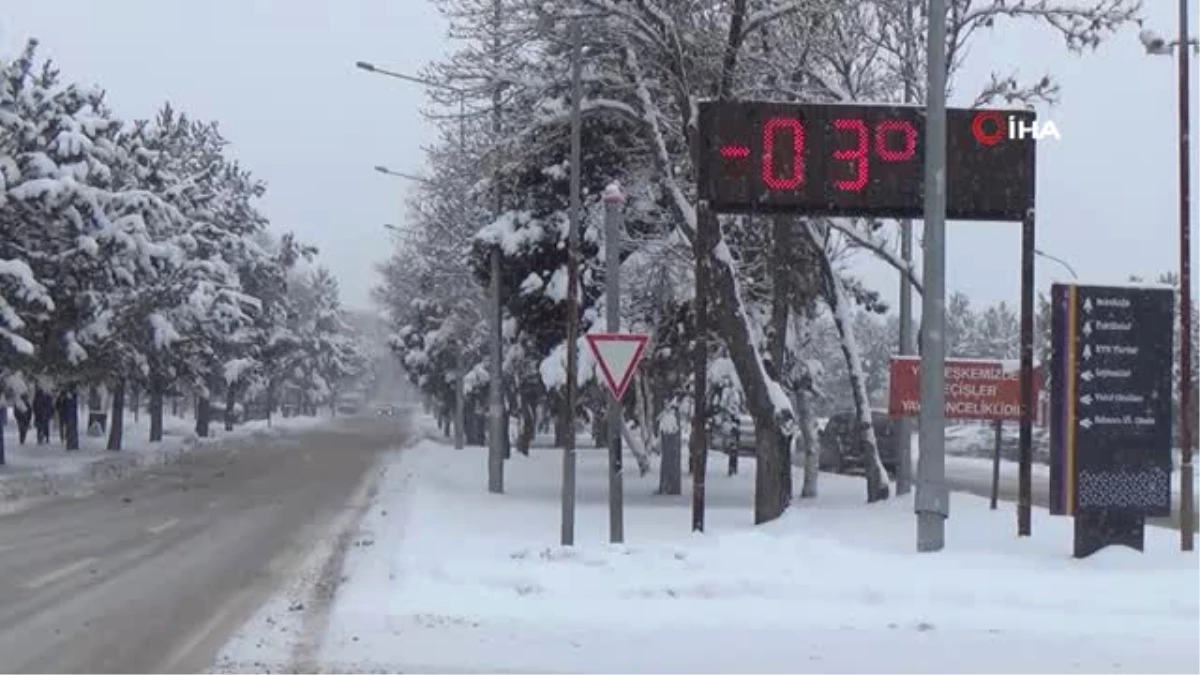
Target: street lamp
pixel 497 439
pixel 1157 45
pixel 400 174
pixel 1067 266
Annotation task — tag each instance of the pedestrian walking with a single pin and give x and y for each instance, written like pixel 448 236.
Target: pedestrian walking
pixel 23 412
pixel 43 414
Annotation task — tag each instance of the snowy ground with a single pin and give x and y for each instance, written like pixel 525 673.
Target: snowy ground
pixel 443 577
pixel 32 471
pixel 969 448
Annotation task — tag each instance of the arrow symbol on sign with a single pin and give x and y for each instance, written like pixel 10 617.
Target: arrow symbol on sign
pixel 1087 328
pixel 1086 376
pixel 1087 305
pixel 1087 351
pixel 1085 423
pixel 1086 399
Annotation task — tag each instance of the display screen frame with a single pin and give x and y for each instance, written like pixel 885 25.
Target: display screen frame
pixel 986 180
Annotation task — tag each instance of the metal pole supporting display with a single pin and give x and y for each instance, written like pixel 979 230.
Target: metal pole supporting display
pixel 932 502
pixel 613 202
pixel 568 467
pixel 1187 419
pixel 908 347
pixel 1025 433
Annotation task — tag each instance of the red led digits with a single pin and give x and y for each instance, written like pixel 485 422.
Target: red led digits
pixel 894 141
pixel 857 154
pixel 910 140
pixel 772 127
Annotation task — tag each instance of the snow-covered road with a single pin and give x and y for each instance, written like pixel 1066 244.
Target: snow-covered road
pixel 153 573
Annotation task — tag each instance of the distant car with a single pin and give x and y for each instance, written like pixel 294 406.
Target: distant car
pixel 839 444
pixel 388 411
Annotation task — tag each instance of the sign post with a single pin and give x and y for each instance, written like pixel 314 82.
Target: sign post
pixel 820 159
pixel 614 199
pixel 1110 433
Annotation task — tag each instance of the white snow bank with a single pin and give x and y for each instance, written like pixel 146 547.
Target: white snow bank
pixel 460 580
pixel 32 471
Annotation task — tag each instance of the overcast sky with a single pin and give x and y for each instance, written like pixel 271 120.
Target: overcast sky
pixel 279 77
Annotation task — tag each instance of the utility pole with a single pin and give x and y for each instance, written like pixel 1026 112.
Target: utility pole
pixel 933 497
pixel 1187 503
pixel 568 468
pixel 499 430
pixel 614 200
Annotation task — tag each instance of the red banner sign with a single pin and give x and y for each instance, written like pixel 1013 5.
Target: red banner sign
pixel 976 389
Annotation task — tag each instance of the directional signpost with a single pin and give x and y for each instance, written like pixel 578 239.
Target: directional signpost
pixel 1110 435
pixel 618 355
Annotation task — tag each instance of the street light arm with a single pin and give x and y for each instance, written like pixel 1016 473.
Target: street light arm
pixel 400 174
pixel 372 68
pixel 1067 266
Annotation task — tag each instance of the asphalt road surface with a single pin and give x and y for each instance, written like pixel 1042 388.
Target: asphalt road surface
pixel 154 573
pixel 978 484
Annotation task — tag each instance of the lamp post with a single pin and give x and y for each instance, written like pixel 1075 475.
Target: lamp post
pixel 497 439
pixel 1159 46
pixel 400 174
pixel 1067 266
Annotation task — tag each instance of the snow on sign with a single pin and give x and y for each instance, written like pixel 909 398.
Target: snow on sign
pixel 976 389
pixel 618 355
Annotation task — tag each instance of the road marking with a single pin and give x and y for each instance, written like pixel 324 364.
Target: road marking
pixel 163 526
pixel 59 573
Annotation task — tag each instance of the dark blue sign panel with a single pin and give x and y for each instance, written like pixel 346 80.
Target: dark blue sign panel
pixel 1110 398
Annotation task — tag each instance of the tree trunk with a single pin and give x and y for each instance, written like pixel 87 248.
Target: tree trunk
pixel 809 449
pixel 116 428
pixel 271 403
pixel 230 402
pixel 599 430
pixel 646 416
pixel 636 448
pixel 203 413
pixel 72 418
pixel 135 394
pixel 175 405
pixel 771 494
pixel 528 427
pixel 868 447
pixel 475 426
pixel 506 438
pixel 670 479
pixel 156 408
pixel 781 302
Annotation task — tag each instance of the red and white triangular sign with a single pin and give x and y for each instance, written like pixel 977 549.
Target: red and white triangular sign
pixel 618 355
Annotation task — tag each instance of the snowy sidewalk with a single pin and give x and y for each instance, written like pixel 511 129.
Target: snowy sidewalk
pixel 33 471
pixel 453 579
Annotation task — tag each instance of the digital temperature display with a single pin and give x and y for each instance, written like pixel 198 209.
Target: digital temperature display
pixel 859 160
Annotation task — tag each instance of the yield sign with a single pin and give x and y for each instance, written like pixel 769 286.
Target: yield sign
pixel 618 355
